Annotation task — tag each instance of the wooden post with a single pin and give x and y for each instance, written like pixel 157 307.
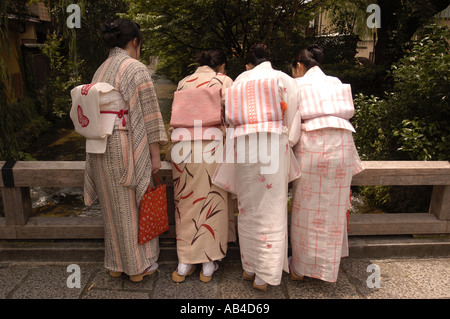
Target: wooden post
pixel 17 205
pixel 440 202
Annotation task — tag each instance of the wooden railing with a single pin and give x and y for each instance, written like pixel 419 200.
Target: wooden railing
pixel 19 223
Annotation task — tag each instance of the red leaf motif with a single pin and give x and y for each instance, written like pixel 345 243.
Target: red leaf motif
pixel 177 168
pixel 82 119
pixel 85 88
pixel 210 230
pixel 198 200
pixel 261 178
pixel 192 80
pixel 184 197
pixel 269 186
pixel 209 211
pixel 202 84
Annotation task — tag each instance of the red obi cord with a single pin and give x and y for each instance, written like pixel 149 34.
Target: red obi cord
pixel 120 114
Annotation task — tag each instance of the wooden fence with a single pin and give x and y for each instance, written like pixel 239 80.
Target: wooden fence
pixel 18 177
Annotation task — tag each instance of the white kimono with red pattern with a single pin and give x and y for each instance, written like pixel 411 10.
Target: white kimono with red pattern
pixel 321 136
pixel 262 197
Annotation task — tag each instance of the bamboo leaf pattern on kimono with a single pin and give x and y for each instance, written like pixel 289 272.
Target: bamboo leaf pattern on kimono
pixel 195 238
pixel 210 229
pixel 209 178
pixel 217 193
pixel 188 195
pixel 221 249
pixel 198 200
pixel 208 257
pixel 195 224
pixel 187 171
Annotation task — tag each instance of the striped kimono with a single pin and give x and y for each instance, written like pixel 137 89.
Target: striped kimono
pixel 321 135
pixel 119 177
pixel 204 213
pixel 262 196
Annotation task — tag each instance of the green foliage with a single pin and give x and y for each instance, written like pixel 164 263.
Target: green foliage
pixel 373 128
pixel 177 30
pixel 348 17
pixel 368 79
pixel 421 97
pixel 85 43
pixel 411 121
pixel 398 199
pixel 15 118
pixel 424 140
pixel 62 78
pixel 21 126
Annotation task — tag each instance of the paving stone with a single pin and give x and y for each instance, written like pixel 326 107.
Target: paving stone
pixel 191 288
pixel 428 278
pixel 394 283
pixel 311 288
pixel 103 280
pixel 114 294
pixel 9 278
pixel 235 287
pixel 50 282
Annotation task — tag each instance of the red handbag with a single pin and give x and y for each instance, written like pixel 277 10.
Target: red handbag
pixel 153 219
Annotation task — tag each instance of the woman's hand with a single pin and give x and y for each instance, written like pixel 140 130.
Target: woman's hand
pixel 156 160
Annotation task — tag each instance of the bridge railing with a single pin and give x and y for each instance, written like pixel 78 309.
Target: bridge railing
pixel 19 223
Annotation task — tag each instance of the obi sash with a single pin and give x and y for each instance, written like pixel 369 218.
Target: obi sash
pixel 254 106
pixel 326 105
pixel 96 109
pixel 194 111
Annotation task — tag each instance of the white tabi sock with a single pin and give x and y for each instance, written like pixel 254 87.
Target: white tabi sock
pixel 259 281
pixel 183 269
pixel 208 268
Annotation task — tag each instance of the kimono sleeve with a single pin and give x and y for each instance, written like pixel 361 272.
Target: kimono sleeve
pixel 227 83
pixel 289 94
pixel 143 99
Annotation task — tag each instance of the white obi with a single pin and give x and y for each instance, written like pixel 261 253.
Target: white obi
pixel 96 110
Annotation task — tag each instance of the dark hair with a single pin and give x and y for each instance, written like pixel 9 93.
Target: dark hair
pixel 310 57
pixel 257 54
pixel 120 32
pixel 212 58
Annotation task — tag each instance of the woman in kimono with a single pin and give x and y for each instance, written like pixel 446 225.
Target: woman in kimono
pixel 203 212
pixel 321 136
pixel 119 177
pixel 261 194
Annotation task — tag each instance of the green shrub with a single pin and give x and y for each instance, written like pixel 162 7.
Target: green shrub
pixel 62 78
pixel 421 97
pixel 411 121
pixel 21 126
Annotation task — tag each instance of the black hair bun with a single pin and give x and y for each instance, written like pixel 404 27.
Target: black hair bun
pixel 260 50
pixel 317 52
pixel 110 34
pixel 205 58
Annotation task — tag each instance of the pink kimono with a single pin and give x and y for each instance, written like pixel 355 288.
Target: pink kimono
pixel 321 136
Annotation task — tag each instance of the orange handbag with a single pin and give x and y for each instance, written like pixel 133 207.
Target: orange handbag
pixel 153 219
